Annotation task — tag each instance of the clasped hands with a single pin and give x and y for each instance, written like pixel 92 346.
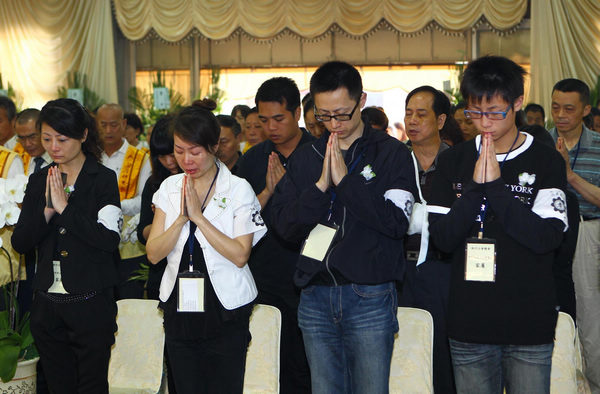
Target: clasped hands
pixel 487 168
pixel 56 189
pixel 334 166
pixel 191 206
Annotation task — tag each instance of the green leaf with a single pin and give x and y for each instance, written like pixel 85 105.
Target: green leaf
pixel 9 355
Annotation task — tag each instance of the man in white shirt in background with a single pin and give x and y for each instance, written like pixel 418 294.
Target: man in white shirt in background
pixel 133 170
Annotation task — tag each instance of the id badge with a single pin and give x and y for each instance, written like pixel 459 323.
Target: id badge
pixel 190 297
pixel 57 286
pixel 480 260
pixel 318 242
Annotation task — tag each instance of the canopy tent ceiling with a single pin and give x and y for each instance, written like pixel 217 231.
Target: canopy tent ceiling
pixel 264 19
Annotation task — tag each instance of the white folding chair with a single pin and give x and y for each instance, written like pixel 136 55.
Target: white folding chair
pixel 262 360
pixel 136 361
pixel 412 359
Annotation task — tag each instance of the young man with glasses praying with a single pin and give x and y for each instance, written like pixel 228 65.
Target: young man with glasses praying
pixel 501 214
pixel 346 198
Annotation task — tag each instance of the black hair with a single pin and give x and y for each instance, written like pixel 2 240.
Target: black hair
pixel 229 121
pixel 28 114
pixel 540 134
pixel 307 99
pixel 309 104
pixel 460 105
pixel 334 75
pixel 520 119
pixel 161 143
pixel 492 75
pixel 375 117
pixel 279 89
pixel 532 107
pixel 197 124
pixel 69 118
pixel 441 105
pixel 9 107
pixel 253 110
pixel 574 85
pixel 244 109
pixel 134 121
pixel 595 111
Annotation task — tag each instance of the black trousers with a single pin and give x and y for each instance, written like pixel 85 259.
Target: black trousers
pixel 74 342
pixel 214 365
pixel 428 287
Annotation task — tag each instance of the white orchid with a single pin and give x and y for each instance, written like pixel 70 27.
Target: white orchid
pixel 10 212
pixel 129 233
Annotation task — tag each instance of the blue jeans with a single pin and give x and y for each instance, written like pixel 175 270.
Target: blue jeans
pixel 348 335
pixel 484 368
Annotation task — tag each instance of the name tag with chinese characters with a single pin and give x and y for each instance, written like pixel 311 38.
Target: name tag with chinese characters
pixel 191 292
pixel 480 260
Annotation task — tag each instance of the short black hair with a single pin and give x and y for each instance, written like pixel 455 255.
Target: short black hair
pixel 134 121
pixel 595 111
pixel 540 134
pixel 375 117
pixel 489 76
pixel 9 107
pixel 69 118
pixel 28 114
pixel 229 121
pixel 161 143
pixel 532 107
pixel 460 105
pixel 244 109
pixel 282 90
pixel 574 85
pixel 252 110
pixel 334 75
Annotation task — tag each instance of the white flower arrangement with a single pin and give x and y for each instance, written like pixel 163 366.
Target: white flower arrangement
pixel 367 172
pixel 12 192
pixel 129 233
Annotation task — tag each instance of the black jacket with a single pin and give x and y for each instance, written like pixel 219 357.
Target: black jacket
pixel 368 248
pixel 84 247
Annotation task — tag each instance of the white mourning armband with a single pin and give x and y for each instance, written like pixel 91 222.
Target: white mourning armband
pixel 551 203
pixel 402 199
pixel 111 217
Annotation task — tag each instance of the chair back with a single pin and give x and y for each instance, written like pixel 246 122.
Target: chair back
pixel 412 358
pixel 136 360
pixel 262 360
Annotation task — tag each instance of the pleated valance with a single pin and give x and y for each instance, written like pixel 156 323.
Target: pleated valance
pixel 263 19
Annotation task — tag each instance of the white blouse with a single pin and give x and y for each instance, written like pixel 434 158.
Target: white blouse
pixel 235 211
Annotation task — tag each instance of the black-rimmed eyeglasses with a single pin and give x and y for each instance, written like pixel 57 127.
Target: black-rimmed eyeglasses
pixel 338 117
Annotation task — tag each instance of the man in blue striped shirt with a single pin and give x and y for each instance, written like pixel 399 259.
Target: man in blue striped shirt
pixel 580 148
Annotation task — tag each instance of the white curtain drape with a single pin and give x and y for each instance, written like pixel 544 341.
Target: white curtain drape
pixel 565 43
pixel 42 40
pixel 173 20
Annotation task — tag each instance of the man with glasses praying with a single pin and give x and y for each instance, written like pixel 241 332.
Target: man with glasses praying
pixel 500 212
pixel 346 198
pixel 29 142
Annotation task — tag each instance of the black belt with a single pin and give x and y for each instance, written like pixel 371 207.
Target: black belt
pixel 67 298
pixel 588 218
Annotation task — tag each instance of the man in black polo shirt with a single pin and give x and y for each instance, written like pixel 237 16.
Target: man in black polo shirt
pixel 273 260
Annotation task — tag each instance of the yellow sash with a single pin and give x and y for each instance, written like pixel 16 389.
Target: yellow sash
pixel 129 250
pixel 6 158
pixel 130 172
pixel 5 234
pixel 24 156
